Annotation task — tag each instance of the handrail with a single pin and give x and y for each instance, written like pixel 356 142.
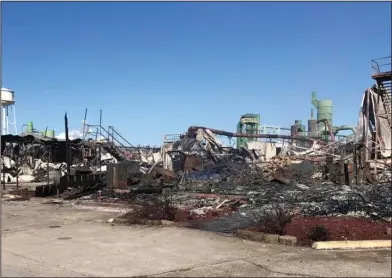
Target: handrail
pixel 115 139
pixel 107 138
pixel 118 134
pixel 377 66
pixel 386 57
pixel 168 138
pixel 87 132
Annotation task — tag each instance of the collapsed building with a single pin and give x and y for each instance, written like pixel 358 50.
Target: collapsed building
pixel 198 161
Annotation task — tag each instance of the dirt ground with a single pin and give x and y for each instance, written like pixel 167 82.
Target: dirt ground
pixel 52 240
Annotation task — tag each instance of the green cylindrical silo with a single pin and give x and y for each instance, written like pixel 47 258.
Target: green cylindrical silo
pixel 324 111
pixel 50 133
pixel 30 127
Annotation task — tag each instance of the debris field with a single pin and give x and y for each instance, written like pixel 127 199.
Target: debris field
pixel 307 187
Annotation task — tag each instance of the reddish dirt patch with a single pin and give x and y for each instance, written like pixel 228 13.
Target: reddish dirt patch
pixel 339 228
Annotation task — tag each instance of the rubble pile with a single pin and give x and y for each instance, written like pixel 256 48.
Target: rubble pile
pixel 34 158
pixel 240 177
pixel 81 191
pixel 327 199
pixel 315 177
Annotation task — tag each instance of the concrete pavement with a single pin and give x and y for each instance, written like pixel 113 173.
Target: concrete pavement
pixel 48 240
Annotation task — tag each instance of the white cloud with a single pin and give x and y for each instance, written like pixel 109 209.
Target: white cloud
pixel 73 134
pixel 77 133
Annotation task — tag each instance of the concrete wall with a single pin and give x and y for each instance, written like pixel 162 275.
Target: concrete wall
pixel 117 173
pixel 166 159
pixel 266 150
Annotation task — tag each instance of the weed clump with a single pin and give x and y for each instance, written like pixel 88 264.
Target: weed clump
pixel 275 220
pixel 156 208
pixel 319 233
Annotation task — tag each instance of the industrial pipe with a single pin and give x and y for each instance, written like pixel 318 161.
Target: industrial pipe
pixel 192 129
pixel 339 128
pixel 325 121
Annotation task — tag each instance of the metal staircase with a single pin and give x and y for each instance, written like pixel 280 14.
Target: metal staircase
pixel 113 142
pixel 382 74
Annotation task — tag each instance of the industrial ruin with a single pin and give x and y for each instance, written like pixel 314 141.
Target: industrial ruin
pixel 317 169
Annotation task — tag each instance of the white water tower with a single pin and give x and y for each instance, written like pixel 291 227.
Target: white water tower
pixel 8 115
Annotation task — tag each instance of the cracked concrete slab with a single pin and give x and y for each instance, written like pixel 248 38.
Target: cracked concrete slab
pixel 239 268
pixel 339 264
pixel 30 267
pixel 109 248
pixel 85 245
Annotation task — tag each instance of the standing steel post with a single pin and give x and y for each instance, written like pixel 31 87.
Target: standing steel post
pixel 100 136
pixel 84 125
pixel 47 165
pixel 47 172
pixel 366 150
pixel 355 163
pixel 67 145
pixel 17 173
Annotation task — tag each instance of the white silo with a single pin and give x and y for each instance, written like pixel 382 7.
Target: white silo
pixel 8 115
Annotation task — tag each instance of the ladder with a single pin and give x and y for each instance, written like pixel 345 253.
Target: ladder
pixel 386 87
pixel 382 74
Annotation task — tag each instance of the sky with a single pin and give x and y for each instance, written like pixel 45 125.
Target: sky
pixel 158 68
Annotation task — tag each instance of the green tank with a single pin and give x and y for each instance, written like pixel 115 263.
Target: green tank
pixel 30 127
pixel 50 133
pixel 324 111
pixel 249 124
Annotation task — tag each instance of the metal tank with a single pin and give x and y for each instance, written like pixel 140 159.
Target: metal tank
pixel 298 129
pixel 30 127
pixel 251 124
pixel 301 127
pixel 324 111
pixel 312 125
pixel 293 130
pixel 50 133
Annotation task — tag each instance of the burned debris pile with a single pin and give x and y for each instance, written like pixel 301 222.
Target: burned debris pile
pixel 195 176
pixel 315 177
pixel 34 158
